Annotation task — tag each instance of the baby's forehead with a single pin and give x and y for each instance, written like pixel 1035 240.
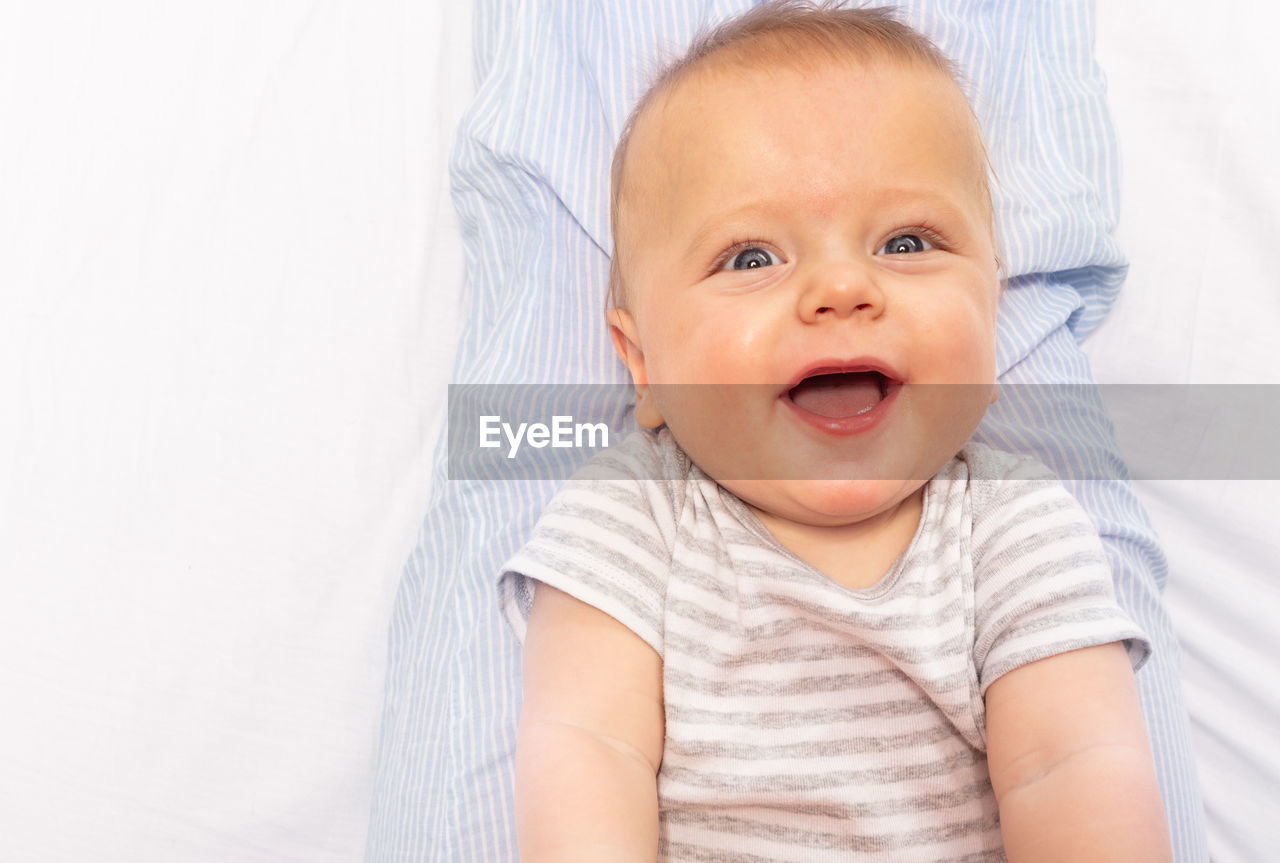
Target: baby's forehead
pixel 675 112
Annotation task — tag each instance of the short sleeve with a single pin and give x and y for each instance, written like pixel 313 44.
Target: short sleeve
pixel 606 538
pixel 1042 585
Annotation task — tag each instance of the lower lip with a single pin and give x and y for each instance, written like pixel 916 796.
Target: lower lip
pixel 845 426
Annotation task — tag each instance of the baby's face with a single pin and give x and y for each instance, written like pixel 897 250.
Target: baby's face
pixel 822 240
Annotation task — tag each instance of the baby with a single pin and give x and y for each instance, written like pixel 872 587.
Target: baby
pixel 806 619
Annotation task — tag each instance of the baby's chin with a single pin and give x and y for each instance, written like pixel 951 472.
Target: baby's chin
pixel 826 502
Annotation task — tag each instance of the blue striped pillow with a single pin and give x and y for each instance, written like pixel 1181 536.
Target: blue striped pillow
pixel 556 81
pixel 530 170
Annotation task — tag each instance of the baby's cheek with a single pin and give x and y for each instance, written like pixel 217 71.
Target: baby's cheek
pixel 970 353
pixel 741 349
pixel 714 352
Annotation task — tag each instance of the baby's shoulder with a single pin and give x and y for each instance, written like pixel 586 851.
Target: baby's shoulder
pixel 996 481
pixel 642 455
pixel 643 478
pixel 1017 507
pixel 983 462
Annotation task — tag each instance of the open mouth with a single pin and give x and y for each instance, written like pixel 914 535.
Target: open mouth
pixel 840 395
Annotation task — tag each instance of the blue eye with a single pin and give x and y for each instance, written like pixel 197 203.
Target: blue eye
pixel 751 259
pixel 905 244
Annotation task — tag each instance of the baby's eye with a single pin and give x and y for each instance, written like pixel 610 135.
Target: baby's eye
pixel 905 244
pixel 752 258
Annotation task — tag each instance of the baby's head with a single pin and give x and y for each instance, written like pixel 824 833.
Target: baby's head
pixel 787 34
pixel 801 209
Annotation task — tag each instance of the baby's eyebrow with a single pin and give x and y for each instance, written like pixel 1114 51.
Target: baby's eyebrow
pixel 926 197
pixel 735 221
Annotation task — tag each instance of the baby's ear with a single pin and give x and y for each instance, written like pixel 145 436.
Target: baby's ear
pixel 626 342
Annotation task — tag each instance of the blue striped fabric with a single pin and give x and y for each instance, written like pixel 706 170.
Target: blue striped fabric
pixel 556 81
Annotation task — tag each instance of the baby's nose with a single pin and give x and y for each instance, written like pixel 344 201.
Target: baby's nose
pixel 840 290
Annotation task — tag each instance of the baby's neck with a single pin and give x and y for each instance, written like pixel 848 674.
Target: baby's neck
pixel 855 555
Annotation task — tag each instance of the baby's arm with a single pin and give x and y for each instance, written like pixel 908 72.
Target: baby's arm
pixel 590 738
pixel 1070 762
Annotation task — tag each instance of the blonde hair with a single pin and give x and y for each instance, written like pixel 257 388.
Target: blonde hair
pixel 793 33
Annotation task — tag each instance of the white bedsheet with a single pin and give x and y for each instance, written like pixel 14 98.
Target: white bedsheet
pixel 228 271
pixel 1195 100
pixel 228 267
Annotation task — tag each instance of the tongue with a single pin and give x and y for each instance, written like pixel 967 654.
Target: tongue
pixel 839 395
